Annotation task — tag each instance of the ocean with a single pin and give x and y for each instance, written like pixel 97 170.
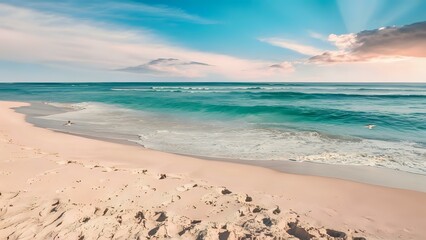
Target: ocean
pixel 314 122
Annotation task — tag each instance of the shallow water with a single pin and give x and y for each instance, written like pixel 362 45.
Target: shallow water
pixel 301 122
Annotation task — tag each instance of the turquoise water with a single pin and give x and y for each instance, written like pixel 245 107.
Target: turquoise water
pixel 300 122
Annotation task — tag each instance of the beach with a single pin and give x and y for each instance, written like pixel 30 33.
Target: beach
pixel 299 120
pixel 61 186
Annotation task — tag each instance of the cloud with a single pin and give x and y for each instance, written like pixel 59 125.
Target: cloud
pixel 383 44
pixel 159 11
pixel 409 40
pixel 283 67
pixel 344 41
pixel 318 36
pixel 283 43
pixel 32 36
pixel 167 67
pixel 115 10
pixel 192 69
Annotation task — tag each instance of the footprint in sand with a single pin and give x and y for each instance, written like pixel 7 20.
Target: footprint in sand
pixel 171 199
pixel 186 187
pixel 139 171
pixel 160 216
pixel 90 166
pixel 209 199
pixel 9 195
pixel 5 173
pixel 66 162
pixel 60 190
pixel 148 188
pixel 33 180
pixel 161 176
pixel 108 169
pixel 244 198
pixel 276 210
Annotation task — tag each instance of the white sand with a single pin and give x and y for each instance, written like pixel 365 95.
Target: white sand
pixel 70 187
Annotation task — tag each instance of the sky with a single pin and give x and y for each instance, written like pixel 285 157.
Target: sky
pixel 221 40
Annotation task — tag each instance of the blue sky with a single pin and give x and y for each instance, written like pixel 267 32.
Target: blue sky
pixel 222 40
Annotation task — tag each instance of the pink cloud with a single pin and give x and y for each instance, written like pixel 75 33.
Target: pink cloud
pixel 384 44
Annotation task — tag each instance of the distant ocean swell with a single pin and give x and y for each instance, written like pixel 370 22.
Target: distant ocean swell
pixel 287 92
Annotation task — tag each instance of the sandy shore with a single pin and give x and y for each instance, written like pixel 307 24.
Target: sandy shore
pixel 60 186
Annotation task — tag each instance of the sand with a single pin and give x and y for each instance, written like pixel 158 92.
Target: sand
pixel 60 186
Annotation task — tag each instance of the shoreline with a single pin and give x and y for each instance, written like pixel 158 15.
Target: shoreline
pixel 61 185
pixel 362 174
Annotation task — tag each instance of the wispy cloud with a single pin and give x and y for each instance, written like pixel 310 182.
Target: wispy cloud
pixel 318 36
pixel 28 35
pixel 297 47
pixel 282 67
pixel 115 10
pixel 388 43
pixel 159 11
pixel 168 67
